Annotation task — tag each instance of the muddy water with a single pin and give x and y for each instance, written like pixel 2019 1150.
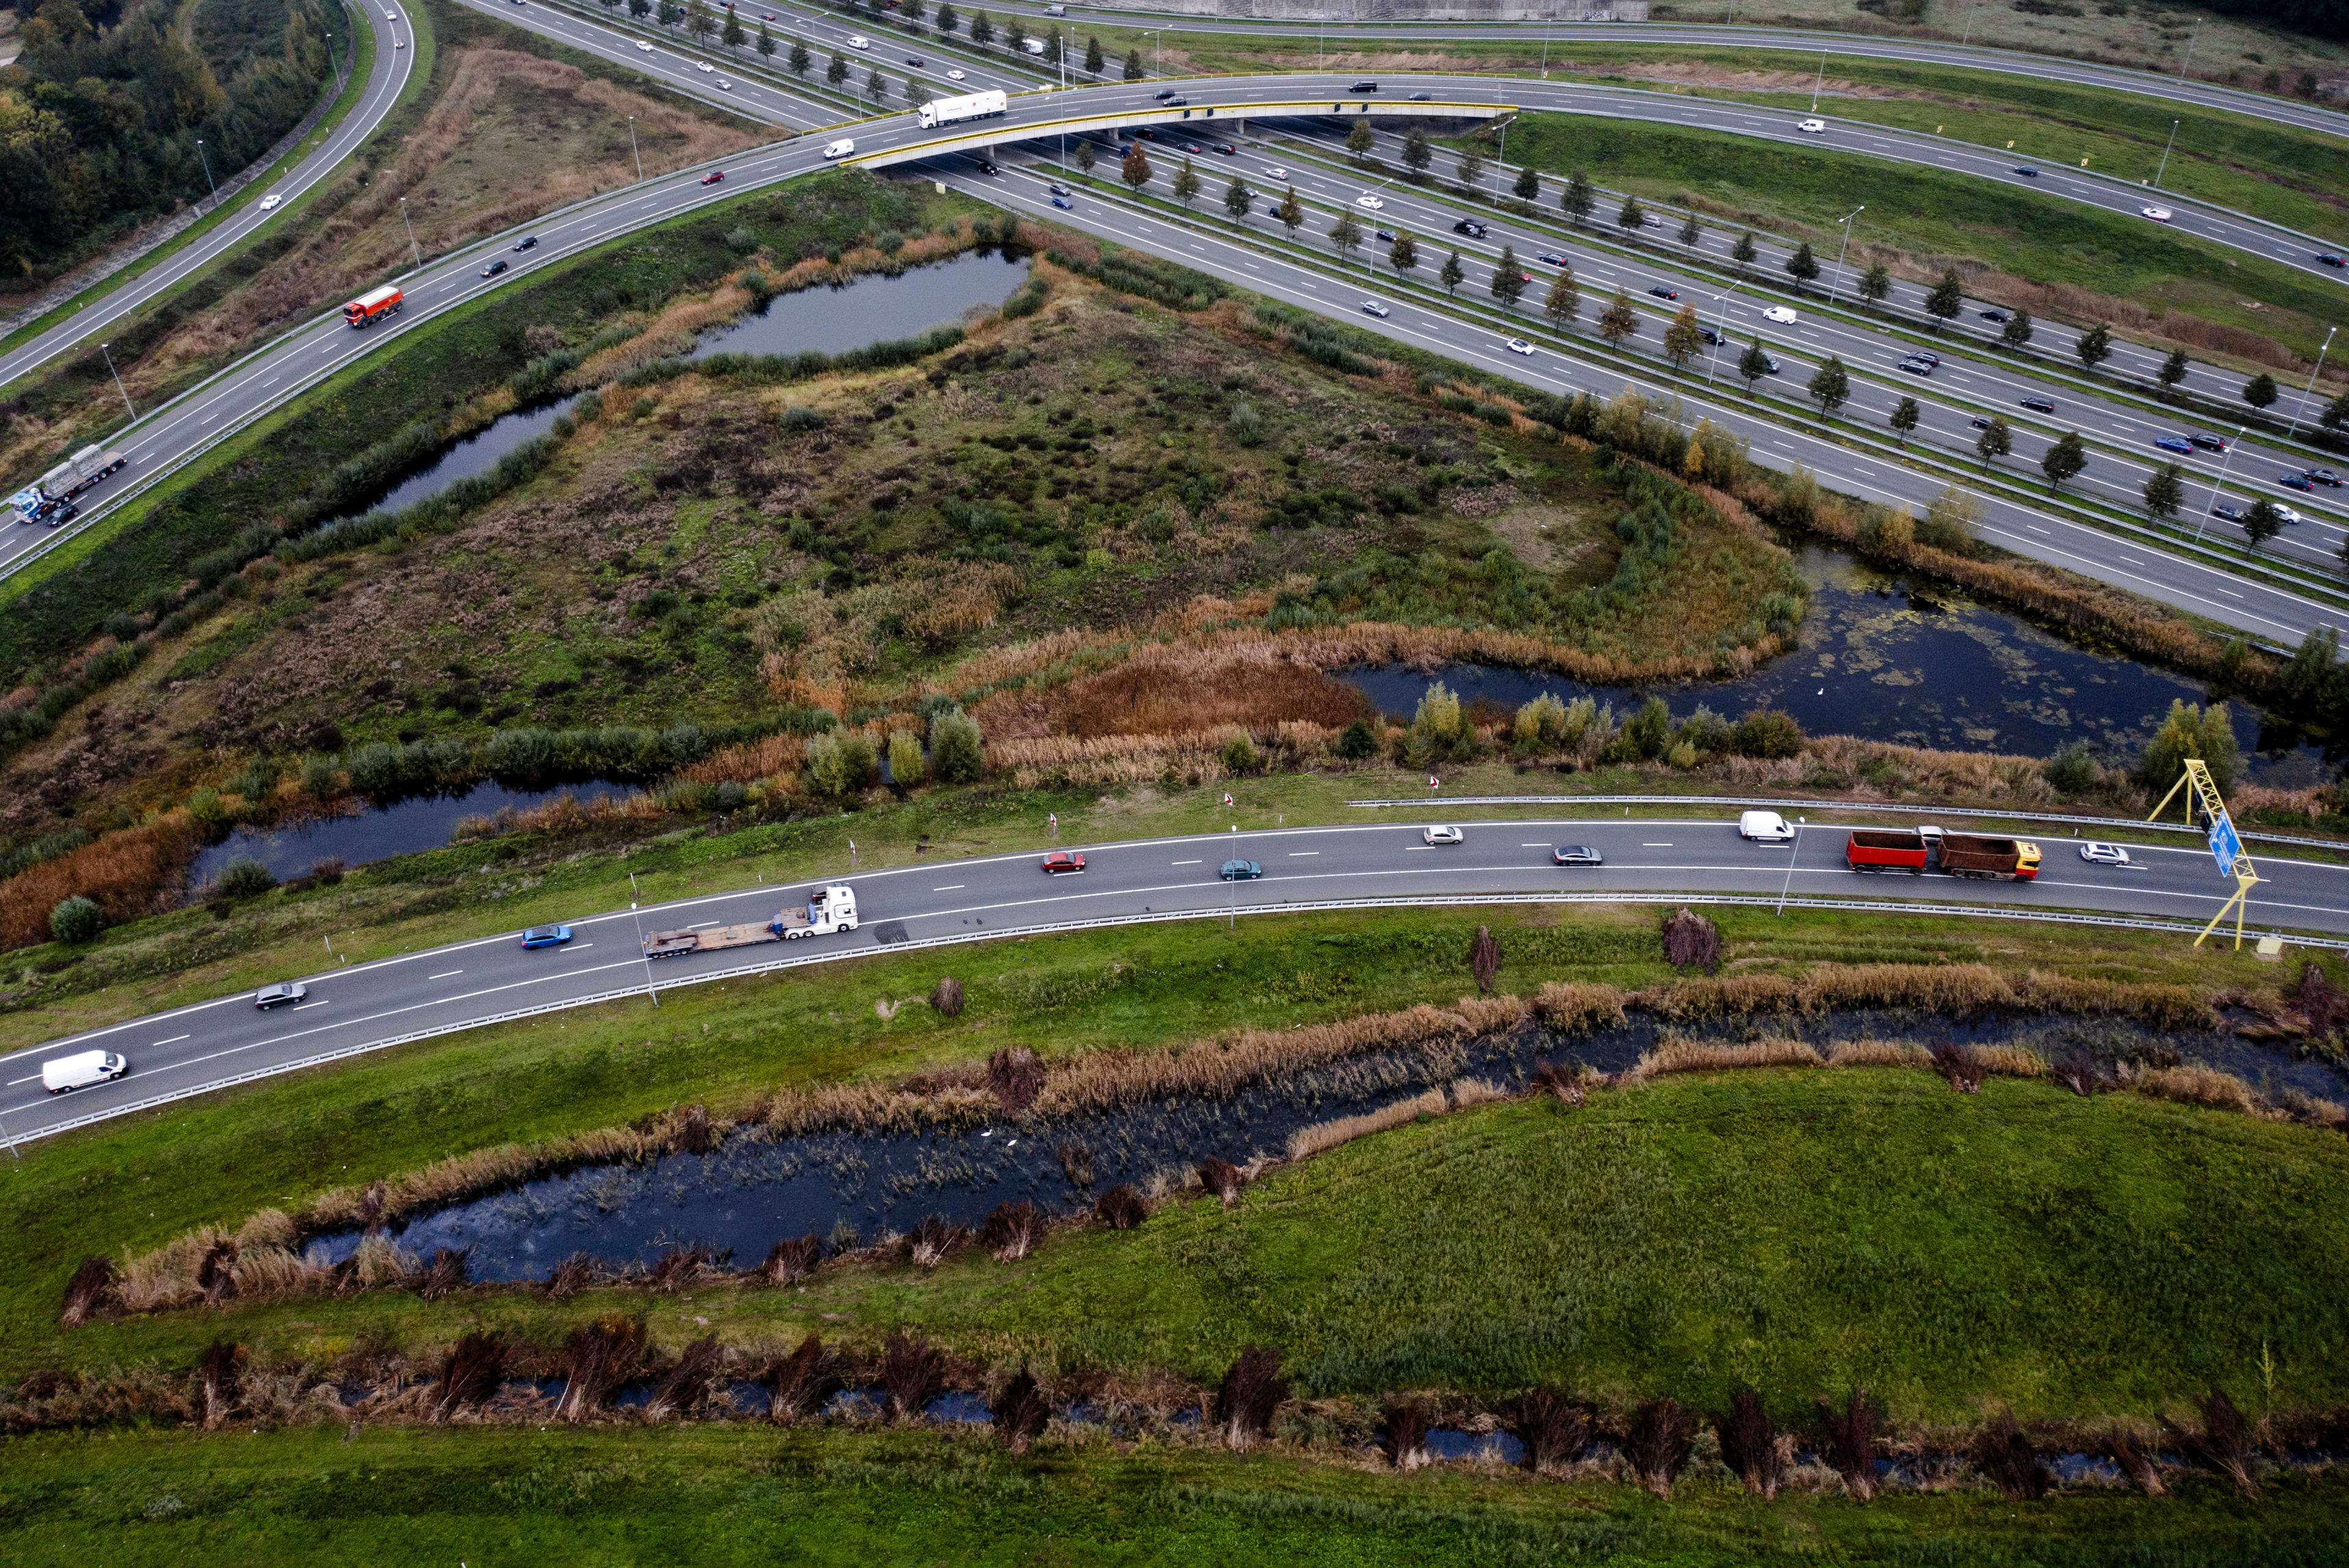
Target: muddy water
pixel 871 309
pixel 855 1187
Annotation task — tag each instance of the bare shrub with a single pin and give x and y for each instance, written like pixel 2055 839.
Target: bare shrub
pixel 803 1381
pixel 1223 1179
pixel 1749 1443
pixel 1564 1082
pixel 930 1239
pixel 790 1261
pixel 681 1268
pixel 1848 1442
pixel 1076 1162
pixel 2082 1074
pixel 1554 1430
pixel 2222 1444
pixel 1325 1135
pixel 1017 1077
pixel 219 1372
pixel 686 1390
pixel 1961 1066
pixel 1403 1438
pixel 2131 1451
pixel 946 997
pixel 90 1292
pixel 569 1277
pixel 1674 1054
pixel 2003 1451
pixel 1485 960
pixel 1011 1231
pixel 1692 942
pixel 912 1373
pixel 2320 1005
pixel 446 1271
pixel 1249 1395
pixel 1658 1442
pixel 1578 1006
pixel 597 1358
pixel 471 1373
pixel 216 1271
pixel 1121 1208
pixel 689 1131
pixel 1021 1413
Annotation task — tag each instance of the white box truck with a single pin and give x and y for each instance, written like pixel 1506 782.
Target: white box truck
pixel 82 1069
pixel 988 105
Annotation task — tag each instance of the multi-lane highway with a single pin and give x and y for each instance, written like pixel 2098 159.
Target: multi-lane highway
pixel 386 81
pixel 444 989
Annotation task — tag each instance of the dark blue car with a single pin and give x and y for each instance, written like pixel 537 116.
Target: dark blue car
pixel 2173 443
pixel 546 936
pixel 1240 870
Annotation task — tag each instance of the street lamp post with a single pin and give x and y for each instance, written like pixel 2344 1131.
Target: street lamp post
pixel 415 253
pixel 632 148
pixel 1845 251
pixel 1969 34
pixel 2292 421
pixel 107 350
pixel 205 159
pixel 2165 155
pixel 2219 483
pixel 1720 330
pixel 1820 83
pixel 2190 40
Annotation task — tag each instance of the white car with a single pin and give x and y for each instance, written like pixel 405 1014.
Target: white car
pixel 2285 512
pixel 1372 202
pixel 1780 313
pixel 1764 828
pixel 643 47
pixel 2159 214
pixel 1519 345
pixel 704 65
pixel 724 86
pixel 269 203
pixel 840 149
pixel 1813 127
pixel 955 75
pixel 1441 835
pixel 859 41
pixel 1275 174
pixel 1373 307
pixel 2104 855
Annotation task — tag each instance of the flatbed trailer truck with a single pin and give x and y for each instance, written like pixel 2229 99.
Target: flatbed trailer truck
pixel 1922 850
pixel 827 910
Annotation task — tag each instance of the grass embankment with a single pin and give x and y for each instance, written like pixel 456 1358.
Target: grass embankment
pixel 2030 249
pixel 726 1495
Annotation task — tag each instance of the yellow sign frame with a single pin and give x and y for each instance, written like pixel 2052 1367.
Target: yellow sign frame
pixel 2205 807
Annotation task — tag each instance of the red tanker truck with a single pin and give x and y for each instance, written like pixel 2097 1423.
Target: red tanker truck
pixel 1922 850
pixel 373 305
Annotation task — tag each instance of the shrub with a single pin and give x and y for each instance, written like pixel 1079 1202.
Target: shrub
pixel 1021 1413
pixel 1485 959
pixel 1848 1440
pixel 598 1358
pixel 1749 1444
pixel 2199 732
pixel 1658 1442
pixel 839 764
pixel 1121 1208
pixel 742 239
pixel 2073 770
pixel 1403 1438
pixel 1238 755
pixel 90 1292
pixel 904 759
pixel 1221 1178
pixel 1249 1395
pixel 1554 1430
pixel 77 920
pixel 804 1380
pixel 1015 1076
pixel 1440 730
pixel 946 996
pixel 243 878
pixel 930 1239
pixel 2002 1452
pixel 471 1373
pixel 1767 733
pixel 569 1277
pixel 1690 939
pixel 957 755
pixel 1357 742
pixel 797 418
pixel 2223 1444
pixel 912 1373
pixel 1247 424
pixel 1012 1231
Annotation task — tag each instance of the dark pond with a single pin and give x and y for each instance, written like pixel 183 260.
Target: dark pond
pixel 402 830
pixel 856 1187
pixel 871 309
pixel 476 454
pixel 1891 658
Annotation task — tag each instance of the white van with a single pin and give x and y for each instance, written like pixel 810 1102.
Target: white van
pixel 81 1070
pixel 1764 828
pixel 1033 47
pixel 840 149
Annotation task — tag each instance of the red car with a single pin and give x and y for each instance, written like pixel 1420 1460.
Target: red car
pixel 1060 861
pixel 713 177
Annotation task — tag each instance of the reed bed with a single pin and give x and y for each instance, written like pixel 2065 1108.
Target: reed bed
pixel 1307 1141
pixel 1578 1008
pixel 1682 1056
pixel 1878 1054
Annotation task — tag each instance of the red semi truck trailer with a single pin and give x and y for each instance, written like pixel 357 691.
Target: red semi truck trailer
pixel 1931 849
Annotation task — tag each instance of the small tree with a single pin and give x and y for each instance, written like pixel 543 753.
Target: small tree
pixel 1905 415
pixel 982 31
pixel 1682 342
pixel 640 9
pixel 1187 183
pixel 766 45
pixel 697 19
pixel 2094 346
pixel 1135 170
pixel 1950 521
pixel 2206 733
pixel 1133 65
pixel 1485 959
pixel 1470 169
pixel 1403 255
pixel 1630 215
pixel 1528 187
pixel 947 21
pixel 1094 59
pixel 1830 385
pixel 1508 279
pixel 2165 491
pixel 1237 199
pixel 1358 143
pixel 1418 152
pixel 904 759
pixel 2262 522
pixel 1802 266
pixel 1345 234
pixel 1052 47
pixel 2016 333
pixel 2172 371
pixel 1995 441
pixel 837 71
pixel 1745 252
pixel 957 755
pixel 1086 157
pixel 1876 283
pixel 1454 274
pixel 1577 201
pixel 1753 365
pixel 1948 297
pixel 876 86
pixel 734 37
pixel 800 60
pixel 1291 213
pixel 1564 300
pixel 1619 323
pixel 75 920
pixel 2260 391
pixel 2336 413
pixel 2064 460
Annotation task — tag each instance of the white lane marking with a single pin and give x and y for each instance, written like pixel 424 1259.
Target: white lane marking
pixel 305 1006
pixel 1534 846
pixel 1665 845
pixel 584 946
pixel 698 925
pixel 1190 863
pixel 951 887
pixel 175 1040
pixel 1301 854
pixel 444 975
pixel 28 1078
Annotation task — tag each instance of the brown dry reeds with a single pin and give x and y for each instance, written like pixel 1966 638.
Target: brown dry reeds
pixel 692 1133
pixel 90 1292
pixel 1878 1054
pixel 1674 1054
pixel 686 1390
pixel 2130 1449
pixel 1249 1395
pixel 790 1261
pixel 1485 960
pixel 2082 1074
pixel 1013 1230
pixel 912 1373
pixel 1749 1443
pixel 1570 1008
pixel 219 1373
pixel 125 874
pixel 803 1381
pixel 471 1373
pixel 1121 1208
pixel 1474 1091
pixel 1222 1180
pixel 931 1239
pixel 1848 1442
pixel 946 997
pixel 2222 1443
pixel 2004 1452
pixel 597 1358
pixel 1692 942
pixel 2193 1085
pixel 1728 997
pixel 2157 1006
pixel 569 1277
pixel 1307 1141
pixel 1076 1162
pixel 1554 1430
pixel 1559 1080
pixel 272 1273
pixel 1403 1436
pixel 2321 1005
pixel 1015 1076
pixel 1020 1412
pixel 1963 1069
pixel 446 1271
pixel 682 1268
pixel 1658 1442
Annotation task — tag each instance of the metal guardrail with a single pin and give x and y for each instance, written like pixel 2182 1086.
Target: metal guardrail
pixel 657 983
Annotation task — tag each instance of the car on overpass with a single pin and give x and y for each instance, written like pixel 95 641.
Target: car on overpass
pixel 1239 871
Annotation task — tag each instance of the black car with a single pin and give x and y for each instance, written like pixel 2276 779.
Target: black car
pixel 987 166
pixel 2208 443
pixel 1980 421
pixel 1162 93
pixel 2330 260
pixel 1576 855
pixel 1470 227
pixel 2324 477
pixel 915 61
pixel 2027 172
pixel 1420 98
pixel 1916 368
pixel 2294 480
pixel 1924 357
pixel 527 243
pixel 1240 870
pixel 1363 88
pixel 1710 336
pixel 1178 102
pixel 1226 150
pixel 1996 316
pixel 2039 405
pixel 1660 292
pixel 1384 238
pixel 495 268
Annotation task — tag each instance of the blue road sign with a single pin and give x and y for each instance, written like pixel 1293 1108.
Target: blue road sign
pixel 2225 847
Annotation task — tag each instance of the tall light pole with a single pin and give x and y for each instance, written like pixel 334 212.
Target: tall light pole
pixel 415 253
pixel 1969 34
pixel 107 350
pixel 2220 482
pixel 206 160
pixel 2191 39
pixel 632 149
pixel 1841 253
pixel 633 896
pixel 1820 83
pixel 2165 146
pixel 1720 330
pixel 2292 421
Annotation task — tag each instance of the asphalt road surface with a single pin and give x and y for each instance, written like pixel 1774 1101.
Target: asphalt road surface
pixel 447 988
